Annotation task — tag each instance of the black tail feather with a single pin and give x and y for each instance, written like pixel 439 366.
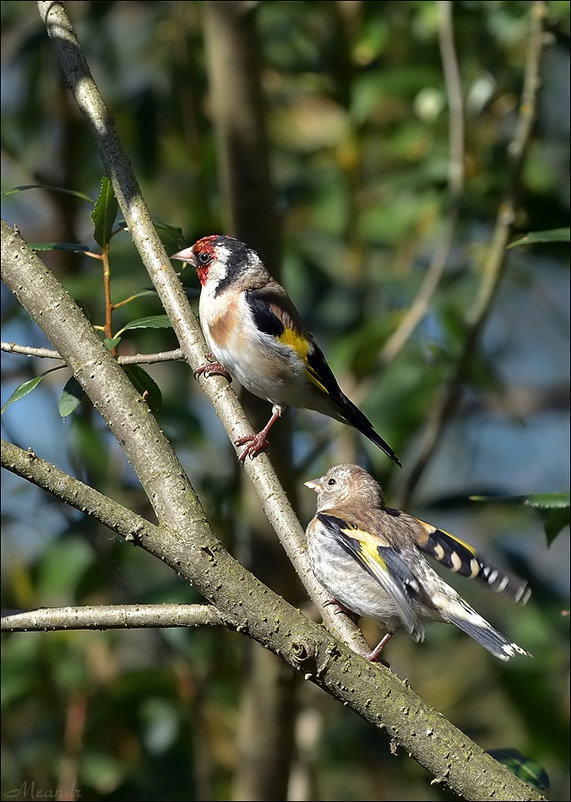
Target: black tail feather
pixel 356 418
pixel 321 374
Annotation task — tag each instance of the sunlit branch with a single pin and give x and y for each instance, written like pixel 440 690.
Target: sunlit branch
pixel 111 616
pixel 126 359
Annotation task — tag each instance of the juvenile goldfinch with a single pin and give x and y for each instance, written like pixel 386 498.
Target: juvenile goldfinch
pixel 255 333
pixel 370 558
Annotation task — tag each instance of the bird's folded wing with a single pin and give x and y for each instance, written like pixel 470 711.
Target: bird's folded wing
pixel 383 563
pixel 275 314
pixel 461 558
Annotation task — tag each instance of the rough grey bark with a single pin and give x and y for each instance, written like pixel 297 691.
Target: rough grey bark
pixel 267 704
pixel 189 547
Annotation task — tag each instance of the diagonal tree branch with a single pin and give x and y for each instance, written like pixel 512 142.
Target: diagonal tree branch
pixel 273 499
pixel 187 544
pixel 268 691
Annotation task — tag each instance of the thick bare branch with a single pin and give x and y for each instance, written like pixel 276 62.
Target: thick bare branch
pixel 189 547
pixel 187 542
pixel 272 496
pixel 249 607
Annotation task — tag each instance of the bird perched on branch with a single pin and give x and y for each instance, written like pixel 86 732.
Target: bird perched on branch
pixel 256 335
pixel 371 559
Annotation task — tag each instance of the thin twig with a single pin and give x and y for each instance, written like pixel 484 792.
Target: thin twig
pixel 419 307
pixel 127 359
pixel 111 616
pixel 148 359
pixel 29 350
pixel 107 293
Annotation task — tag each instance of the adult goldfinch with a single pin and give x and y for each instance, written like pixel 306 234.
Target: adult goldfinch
pixel 255 333
pixel 371 559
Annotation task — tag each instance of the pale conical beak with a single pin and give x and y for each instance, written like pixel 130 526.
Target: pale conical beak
pixel 186 255
pixel 314 484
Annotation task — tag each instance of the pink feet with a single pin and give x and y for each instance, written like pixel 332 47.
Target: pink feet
pixel 256 443
pixel 212 368
pixel 373 656
pixel 340 608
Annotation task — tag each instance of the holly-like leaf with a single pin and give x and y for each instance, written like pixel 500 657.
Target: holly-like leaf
pixel 22 390
pixel 548 501
pixel 554 235
pixel 554 508
pixel 71 397
pixel 145 385
pixel 554 521
pixel 104 213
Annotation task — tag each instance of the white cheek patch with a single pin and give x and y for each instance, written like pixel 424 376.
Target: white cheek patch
pixel 222 252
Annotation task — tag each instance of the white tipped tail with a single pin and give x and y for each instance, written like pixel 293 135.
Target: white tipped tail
pixel 469 621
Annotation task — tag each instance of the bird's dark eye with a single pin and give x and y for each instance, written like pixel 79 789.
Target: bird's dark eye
pixel 331 482
pixel 204 257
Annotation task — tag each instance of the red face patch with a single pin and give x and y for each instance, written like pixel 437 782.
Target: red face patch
pixel 204 252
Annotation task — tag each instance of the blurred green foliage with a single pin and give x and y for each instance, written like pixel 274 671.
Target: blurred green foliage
pixel 356 111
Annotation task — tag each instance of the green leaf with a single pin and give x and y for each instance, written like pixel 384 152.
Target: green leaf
pixel 549 501
pixel 523 767
pixel 554 508
pixel 546 501
pixel 554 521
pixel 91 448
pixel 145 385
pixel 175 231
pixel 63 190
pixel 152 322
pixel 112 342
pixel 59 246
pixel 104 213
pixel 71 397
pixel 171 237
pixel 22 390
pixel 554 235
